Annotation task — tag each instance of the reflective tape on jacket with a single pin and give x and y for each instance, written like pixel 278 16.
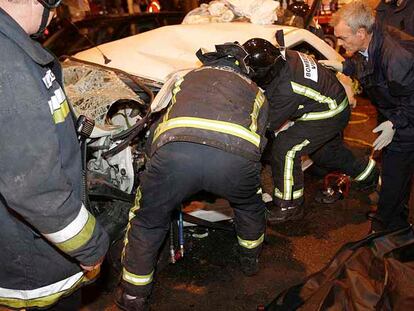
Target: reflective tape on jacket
pixel 75 234
pixel 257 105
pixel 176 89
pixel 59 107
pixel 250 244
pixel 43 296
pixel 313 94
pixel 135 279
pixel 312 116
pixel 211 125
pixel 367 171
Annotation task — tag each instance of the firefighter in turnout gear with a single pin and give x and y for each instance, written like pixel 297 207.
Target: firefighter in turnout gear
pixel 210 138
pixel 49 241
pixel 312 110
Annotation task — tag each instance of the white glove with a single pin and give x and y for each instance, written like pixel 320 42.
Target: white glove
pixel 332 64
pixel 385 137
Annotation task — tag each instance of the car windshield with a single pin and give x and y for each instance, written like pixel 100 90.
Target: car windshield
pixel 74 37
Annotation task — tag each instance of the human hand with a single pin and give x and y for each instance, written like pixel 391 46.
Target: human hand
pixel 332 64
pixel 95 266
pixel 284 127
pixel 387 133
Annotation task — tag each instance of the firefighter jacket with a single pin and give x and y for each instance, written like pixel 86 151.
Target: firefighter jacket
pixel 45 230
pixel 219 107
pixel 399 14
pixel 302 89
pixel 388 79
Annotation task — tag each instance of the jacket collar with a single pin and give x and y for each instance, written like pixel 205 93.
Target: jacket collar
pixel 12 30
pixel 374 49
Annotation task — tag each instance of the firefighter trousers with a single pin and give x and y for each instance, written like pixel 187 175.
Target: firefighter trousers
pixel 303 138
pixel 175 172
pixel 335 156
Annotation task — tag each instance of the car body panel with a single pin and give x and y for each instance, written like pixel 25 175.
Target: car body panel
pixel 158 53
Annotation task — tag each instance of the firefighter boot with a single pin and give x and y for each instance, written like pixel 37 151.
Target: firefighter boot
pixel 126 302
pixel 370 183
pixel 249 264
pixel 278 214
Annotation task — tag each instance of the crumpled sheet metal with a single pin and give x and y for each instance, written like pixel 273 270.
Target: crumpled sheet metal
pixel 375 273
pixel 92 90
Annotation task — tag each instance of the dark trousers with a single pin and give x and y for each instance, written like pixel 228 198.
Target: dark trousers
pixel 397 169
pixel 174 173
pixel 335 156
pixel 303 138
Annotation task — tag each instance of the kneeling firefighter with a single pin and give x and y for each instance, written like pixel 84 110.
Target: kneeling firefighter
pixel 210 138
pixel 312 111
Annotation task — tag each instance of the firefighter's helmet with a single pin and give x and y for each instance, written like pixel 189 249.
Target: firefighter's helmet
pixel 261 53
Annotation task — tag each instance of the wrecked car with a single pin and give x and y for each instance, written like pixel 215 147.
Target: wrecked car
pixel 115 84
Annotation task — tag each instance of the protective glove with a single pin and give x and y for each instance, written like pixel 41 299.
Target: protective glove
pixel 385 137
pixel 332 64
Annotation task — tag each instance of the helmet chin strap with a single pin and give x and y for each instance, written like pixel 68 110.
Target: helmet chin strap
pixel 43 23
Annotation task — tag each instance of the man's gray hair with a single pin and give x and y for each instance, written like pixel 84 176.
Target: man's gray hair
pixel 356 14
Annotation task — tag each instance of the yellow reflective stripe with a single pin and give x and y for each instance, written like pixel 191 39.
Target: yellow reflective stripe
pixel 176 89
pixel 296 194
pixel 257 105
pixel 60 114
pixel 367 171
pixel 43 296
pixel 211 125
pixel 312 116
pixel 81 238
pixel 76 234
pixel 288 172
pixel 137 280
pixel 250 243
pixel 131 215
pixel 313 94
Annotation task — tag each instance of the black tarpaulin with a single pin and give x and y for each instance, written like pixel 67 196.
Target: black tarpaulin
pixel 376 273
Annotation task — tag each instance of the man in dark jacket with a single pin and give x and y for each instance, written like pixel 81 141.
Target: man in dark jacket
pixel 48 238
pixel 384 65
pixel 210 138
pixel 397 13
pixel 315 104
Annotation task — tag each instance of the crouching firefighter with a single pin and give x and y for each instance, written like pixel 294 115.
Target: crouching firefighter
pixel 48 239
pixel 211 138
pixel 312 111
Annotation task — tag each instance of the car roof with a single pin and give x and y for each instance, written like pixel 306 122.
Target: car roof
pixel 158 53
